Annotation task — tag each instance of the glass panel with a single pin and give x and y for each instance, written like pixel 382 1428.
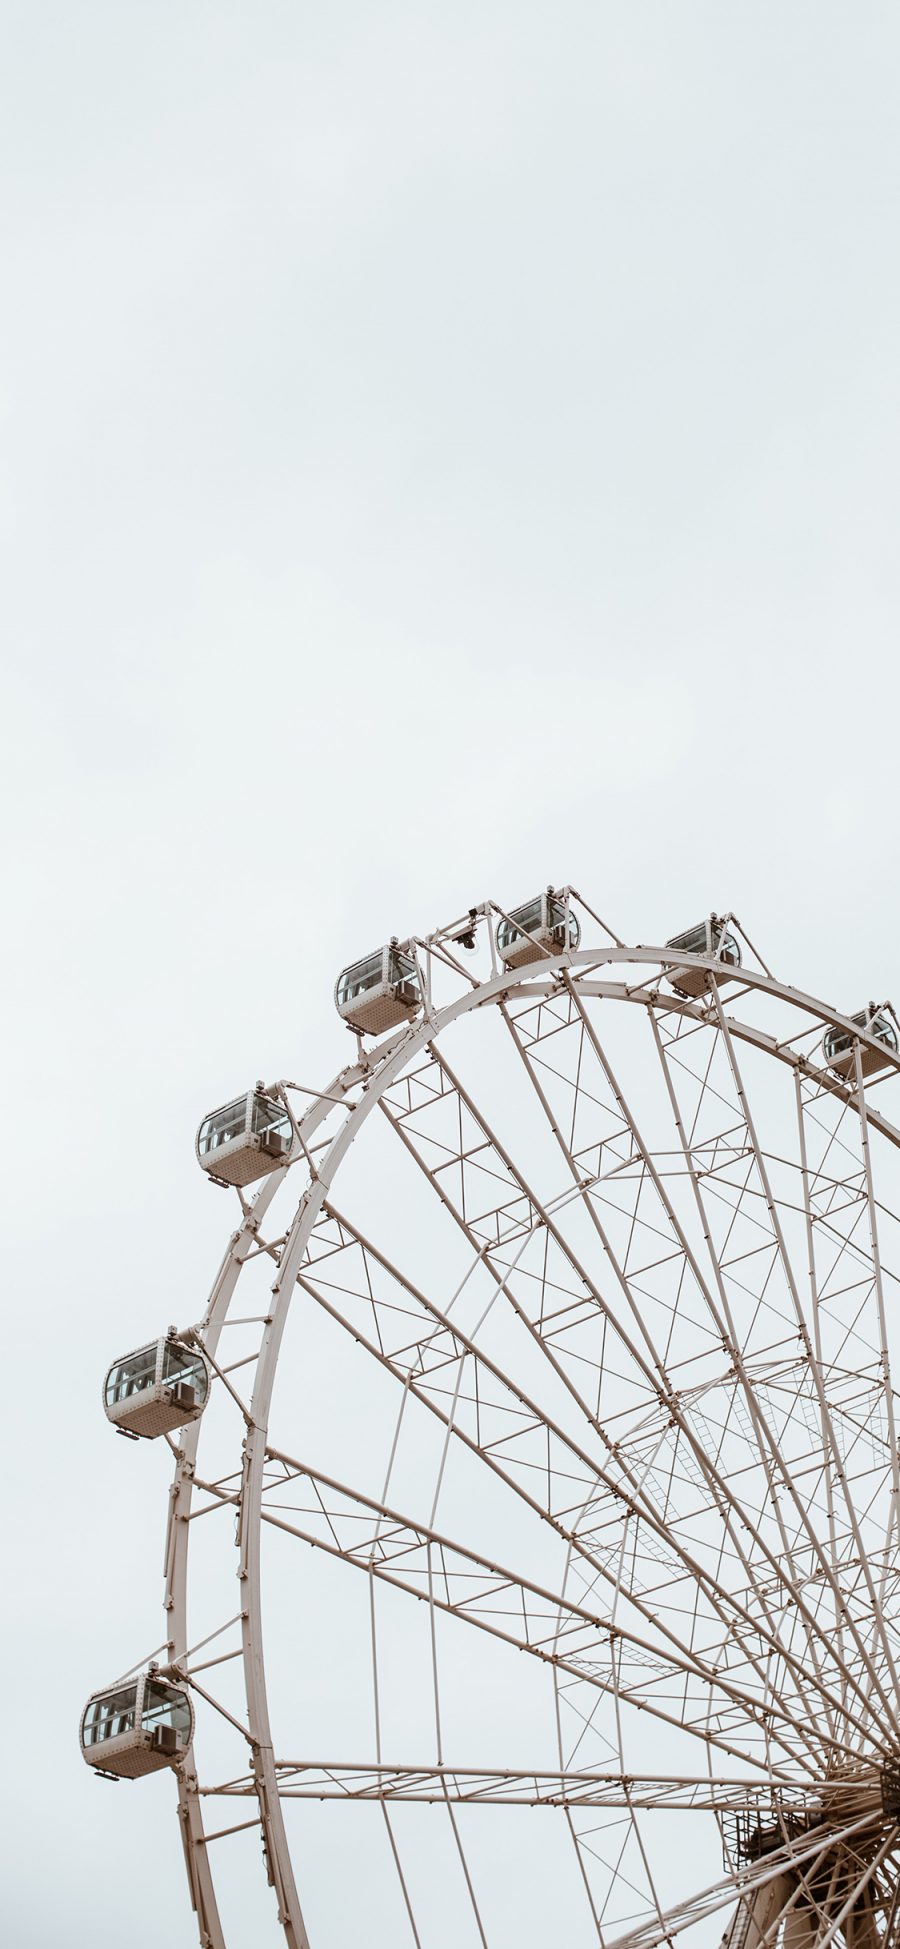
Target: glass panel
pixel 184 1364
pixel 222 1126
pixel 882 1027
pixel 838 1041
pixel 725 946
pixel 528 917
pixel 131 1376
pixel 267 1114
pixel 877 1024
pixel 165 1705
pixel 362 976
pixel 708 938
pixel 106 1718
pixel 556 919
pixel 402 968
pixel 695 941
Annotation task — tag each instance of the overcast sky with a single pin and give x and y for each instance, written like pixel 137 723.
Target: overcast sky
pixel 444 449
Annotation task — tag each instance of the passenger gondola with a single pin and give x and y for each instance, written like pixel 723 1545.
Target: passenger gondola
pixel 721 951
pixel 542 927
pixel 380 991
pixel 839 1046
pixel 137 1726
pixel 159 1387
pixel 245 1139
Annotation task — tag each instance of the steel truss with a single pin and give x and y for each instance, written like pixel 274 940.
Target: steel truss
pixel 655 1325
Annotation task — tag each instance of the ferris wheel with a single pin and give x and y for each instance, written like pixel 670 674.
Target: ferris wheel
pixel 531 1568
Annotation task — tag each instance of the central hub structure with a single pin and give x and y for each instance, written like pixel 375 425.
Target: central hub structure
pixel 890 1789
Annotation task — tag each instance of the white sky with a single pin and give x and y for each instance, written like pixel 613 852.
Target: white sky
pixel 443 449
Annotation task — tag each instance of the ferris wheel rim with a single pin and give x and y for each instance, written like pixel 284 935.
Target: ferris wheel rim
pixel 372 1074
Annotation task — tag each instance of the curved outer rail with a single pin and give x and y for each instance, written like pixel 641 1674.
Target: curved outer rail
pixel 176 1560
pixel 181 1495
pixel 373 1074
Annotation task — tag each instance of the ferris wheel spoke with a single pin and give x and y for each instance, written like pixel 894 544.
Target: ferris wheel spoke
pixel 391 1547
pixel 778 1867
pixel 423 1369
pixel 893 1525
pixel 421 1363
pixel 837 1463
pixel 872 1675
pixel 847 1850
pixel 769 1451
pixel 861 1200
pixel 404 1886
pixel 633 1813
pixel 796 1905
pixel 542 1787
pixel 724 1333
pixel 851 1886
pixel 583 1871
pixel 725 1605
pixel 522 1208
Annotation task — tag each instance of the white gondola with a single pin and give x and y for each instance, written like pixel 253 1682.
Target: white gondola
pixel 137 1726
pixel 245 1139
pixel 839 1046
pixel 159 1387
pixel 380 991
pixel 712 939
pixel 545 925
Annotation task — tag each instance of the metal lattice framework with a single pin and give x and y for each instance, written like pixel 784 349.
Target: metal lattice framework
pixel 625 1279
